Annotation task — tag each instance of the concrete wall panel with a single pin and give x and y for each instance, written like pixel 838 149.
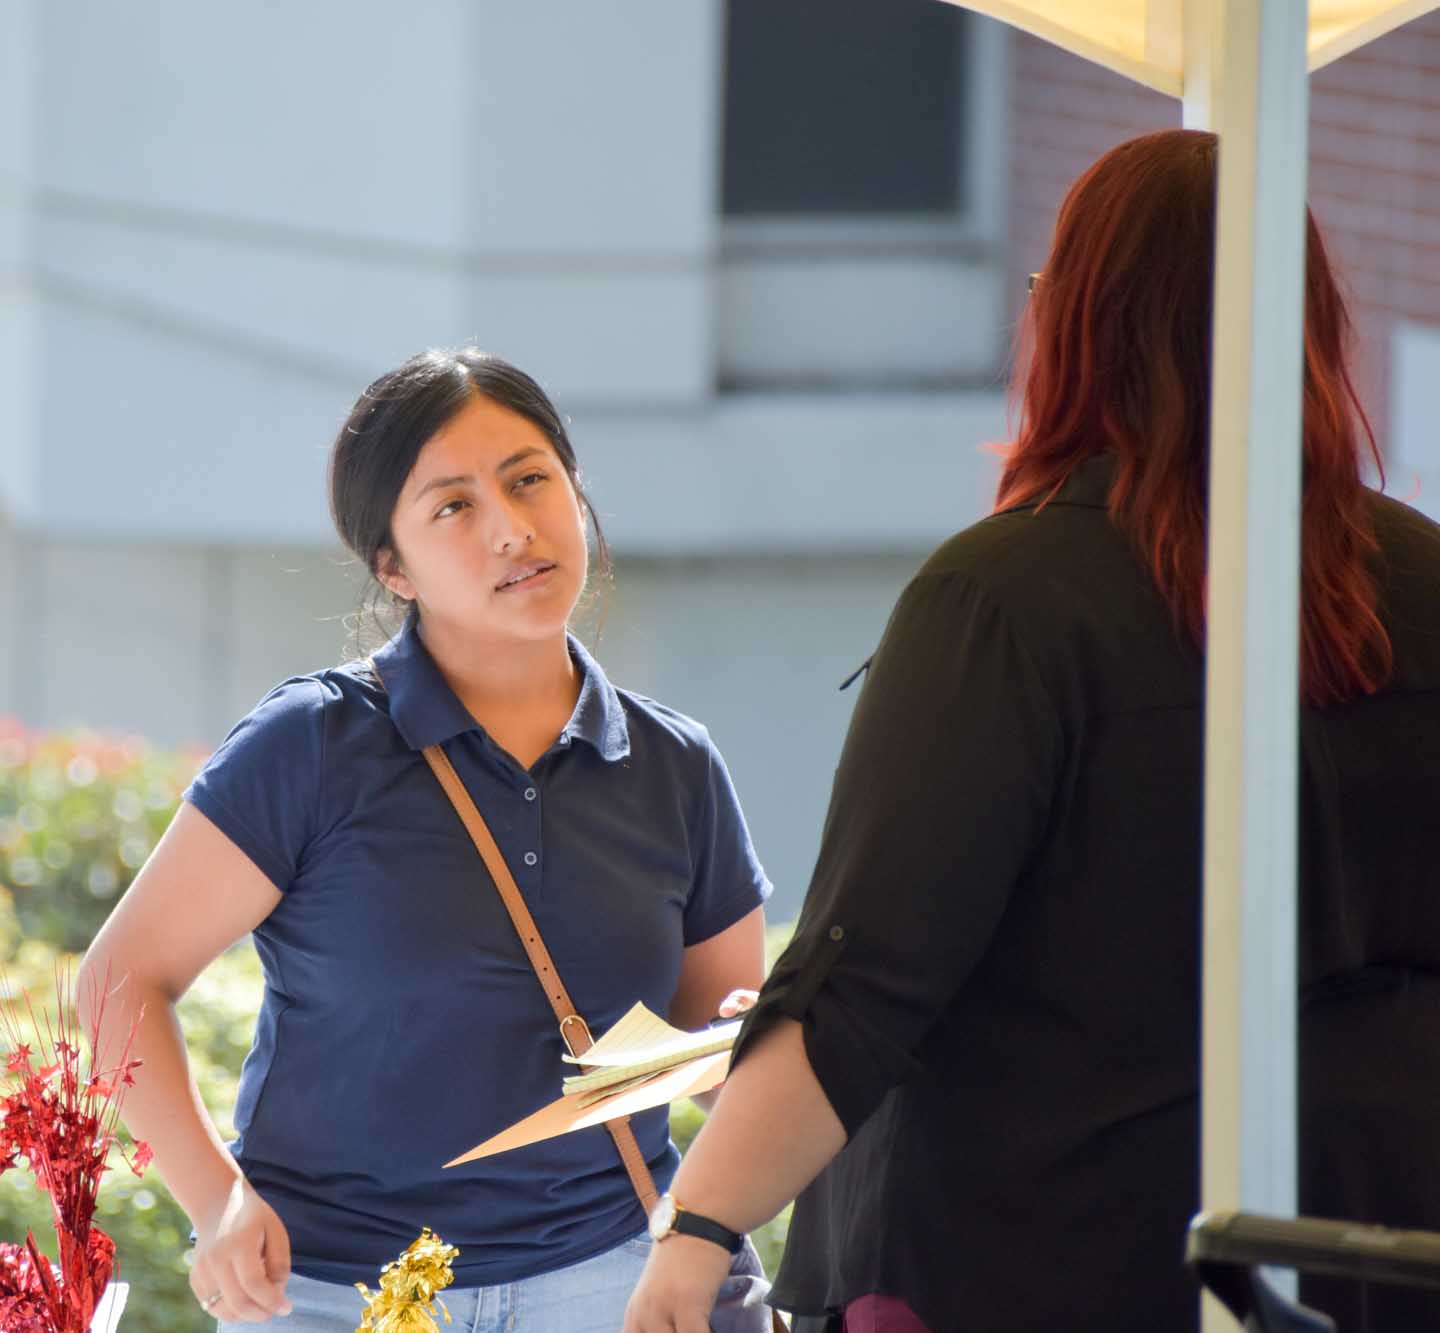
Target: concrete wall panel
pixel 147 433
pixel 593 127
pixel 794 474
pixel 1413 473
pixel 342 313
pixel 847 321
pixel 17 368
pixel 327 116
pixel 119 637
pixel 288 614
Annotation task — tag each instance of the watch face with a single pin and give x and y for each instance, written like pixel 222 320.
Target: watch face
pixel 662 1218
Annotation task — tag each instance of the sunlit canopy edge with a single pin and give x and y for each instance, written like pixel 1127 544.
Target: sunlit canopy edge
pixel 1334 34
pixel 1143 39
pixel 1092 31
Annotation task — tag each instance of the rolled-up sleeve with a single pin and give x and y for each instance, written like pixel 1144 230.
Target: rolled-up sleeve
pixel 941 797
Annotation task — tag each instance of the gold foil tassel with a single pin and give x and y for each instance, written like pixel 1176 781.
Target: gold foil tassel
pixel 407 1297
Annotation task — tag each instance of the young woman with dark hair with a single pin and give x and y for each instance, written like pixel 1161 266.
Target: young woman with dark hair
pixel 402 1021
pixel 977 1063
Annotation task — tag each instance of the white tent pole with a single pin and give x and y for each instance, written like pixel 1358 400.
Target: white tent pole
pixel 1248 82
pixel 1200 20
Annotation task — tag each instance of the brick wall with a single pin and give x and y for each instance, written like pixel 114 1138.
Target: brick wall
pixel 1374 169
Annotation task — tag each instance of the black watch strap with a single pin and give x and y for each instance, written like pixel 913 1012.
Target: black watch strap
pixel 687 1223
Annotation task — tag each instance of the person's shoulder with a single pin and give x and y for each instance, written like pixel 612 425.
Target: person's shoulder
pixel 304 703
pixel 293 702
pixel 1409 562
pixel 990 543
pixel 323 690
pixel 354 680
pixel 1400 525
pixel 1020 555
pixel 1409 544
pixel 665 726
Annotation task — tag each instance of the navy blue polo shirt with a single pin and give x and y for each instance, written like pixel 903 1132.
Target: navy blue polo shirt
pixel 401 1022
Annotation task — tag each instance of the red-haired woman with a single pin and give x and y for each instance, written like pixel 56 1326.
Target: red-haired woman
pixel 978 1058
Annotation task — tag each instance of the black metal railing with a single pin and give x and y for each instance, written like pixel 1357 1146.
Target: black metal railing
pixel 1227 1250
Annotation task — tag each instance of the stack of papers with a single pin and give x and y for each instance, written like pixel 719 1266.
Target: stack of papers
pixel 640 1063
pixel 639 1046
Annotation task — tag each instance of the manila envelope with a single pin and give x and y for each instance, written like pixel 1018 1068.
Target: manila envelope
pixel 564 1116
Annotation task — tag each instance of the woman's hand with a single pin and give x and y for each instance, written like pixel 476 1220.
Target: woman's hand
pixel 196 895
pixel 242 1259
pixel 714 968
pixel 737 1002
pixel 677 1290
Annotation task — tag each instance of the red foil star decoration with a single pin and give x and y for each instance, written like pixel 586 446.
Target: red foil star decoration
pixel 61 1121
pixel 23 1306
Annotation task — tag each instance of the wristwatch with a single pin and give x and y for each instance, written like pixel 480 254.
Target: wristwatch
pixel 668 1218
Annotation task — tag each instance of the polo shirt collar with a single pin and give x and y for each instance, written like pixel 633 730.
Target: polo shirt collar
pixel 426 712
pixel 599 717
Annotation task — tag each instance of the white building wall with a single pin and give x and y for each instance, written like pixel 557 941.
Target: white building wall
pixel 242 215
pixel 1413 472
pixel 18 65
pixel 216 225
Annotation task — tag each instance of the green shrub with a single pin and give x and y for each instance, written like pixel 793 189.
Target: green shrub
pixel 79 814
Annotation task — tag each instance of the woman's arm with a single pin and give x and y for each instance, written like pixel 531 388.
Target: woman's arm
pixel 195 896
pixel 775 1120
pixel 941 796
pixel 732 960
pixel 720 976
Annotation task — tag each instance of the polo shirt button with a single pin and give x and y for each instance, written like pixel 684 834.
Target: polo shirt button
pixel 837 933
pixel 530 793
pixel 531 858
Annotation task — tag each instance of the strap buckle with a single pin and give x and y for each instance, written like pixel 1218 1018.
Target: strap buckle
pixel 565 1035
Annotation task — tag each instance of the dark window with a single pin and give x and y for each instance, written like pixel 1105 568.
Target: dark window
pixel 842 107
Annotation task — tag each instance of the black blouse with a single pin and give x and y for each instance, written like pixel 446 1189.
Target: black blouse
pixel 997 965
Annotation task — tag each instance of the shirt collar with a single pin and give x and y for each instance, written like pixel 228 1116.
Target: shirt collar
pixel 599 716
pixel 426 712
pixel 1088 485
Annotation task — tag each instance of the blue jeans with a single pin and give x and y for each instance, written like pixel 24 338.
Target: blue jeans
pixel 588 1297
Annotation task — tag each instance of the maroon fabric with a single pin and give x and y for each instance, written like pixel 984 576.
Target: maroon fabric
pixel 881 1314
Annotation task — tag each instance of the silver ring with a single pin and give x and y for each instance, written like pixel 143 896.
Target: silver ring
pixel 211 1300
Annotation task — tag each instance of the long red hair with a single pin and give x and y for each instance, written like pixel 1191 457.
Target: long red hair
pixel 1116 346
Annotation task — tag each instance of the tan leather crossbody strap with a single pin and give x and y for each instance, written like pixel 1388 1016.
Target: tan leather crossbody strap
pixel 574 1031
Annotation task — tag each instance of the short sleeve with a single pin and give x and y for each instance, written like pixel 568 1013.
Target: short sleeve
pixel 728 881
pixel 262 787
pixel 941 797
